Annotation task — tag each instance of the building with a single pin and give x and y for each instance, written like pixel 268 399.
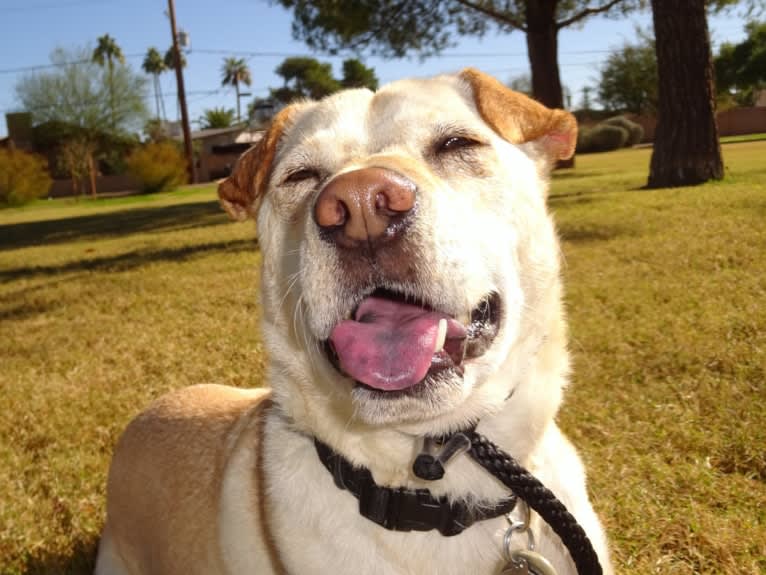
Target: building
pixel 218 149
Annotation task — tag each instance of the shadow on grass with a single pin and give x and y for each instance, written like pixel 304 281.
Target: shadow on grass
pixel 111 224
pixel 80 560
pixel 130 260
pixel 23 311
pixel 575 174
pixel 582 234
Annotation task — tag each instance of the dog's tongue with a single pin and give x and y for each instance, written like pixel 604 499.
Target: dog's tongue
pixel 389 344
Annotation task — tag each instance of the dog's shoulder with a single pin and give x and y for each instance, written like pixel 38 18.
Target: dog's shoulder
pixel 182 445
pixel 194 427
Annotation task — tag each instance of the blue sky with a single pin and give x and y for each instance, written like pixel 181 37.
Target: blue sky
pixel 260 32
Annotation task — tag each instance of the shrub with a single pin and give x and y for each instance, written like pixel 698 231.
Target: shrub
pixel 601 138
pixel 159 166
pixel 23 177
pixel 635 131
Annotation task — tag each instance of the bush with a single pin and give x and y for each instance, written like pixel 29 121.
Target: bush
pixel 601 138
pixel 23 177
pixel 159 166
pixel 635 131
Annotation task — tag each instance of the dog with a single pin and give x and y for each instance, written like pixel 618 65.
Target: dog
pixel 410 290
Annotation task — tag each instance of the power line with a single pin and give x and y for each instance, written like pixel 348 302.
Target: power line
pixel 251 54
pixel 38 67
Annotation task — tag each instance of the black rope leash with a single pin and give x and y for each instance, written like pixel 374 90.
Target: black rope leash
pixel 539 498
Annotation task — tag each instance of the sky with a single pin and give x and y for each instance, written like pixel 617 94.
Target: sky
pixel 260 32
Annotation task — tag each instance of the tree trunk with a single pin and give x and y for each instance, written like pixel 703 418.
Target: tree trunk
pixel 111 94
pixel 236 88
pixel 92 174
pixel 157 95
pixel 686 148
pixel 75 185
pixel 542 48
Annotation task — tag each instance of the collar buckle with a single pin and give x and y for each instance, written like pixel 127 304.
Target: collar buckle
pixel 400 509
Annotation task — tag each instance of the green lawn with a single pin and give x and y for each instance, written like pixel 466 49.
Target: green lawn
pixel 106 304
pixel 743 138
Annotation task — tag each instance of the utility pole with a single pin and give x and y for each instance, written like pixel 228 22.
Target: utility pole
pixel 182 96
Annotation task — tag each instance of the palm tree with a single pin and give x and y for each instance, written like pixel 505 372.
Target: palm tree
pixel 216 118
pixel 235 71
pixel 155 65
pixel 170 64
pixel 170 60
pixel 105 53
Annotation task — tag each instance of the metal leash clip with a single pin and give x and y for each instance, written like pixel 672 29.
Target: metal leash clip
pixel 523 561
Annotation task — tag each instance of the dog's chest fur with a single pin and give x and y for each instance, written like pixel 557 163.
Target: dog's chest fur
pixel 319 524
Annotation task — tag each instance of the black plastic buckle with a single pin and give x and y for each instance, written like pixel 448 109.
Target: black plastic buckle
pixel 408 510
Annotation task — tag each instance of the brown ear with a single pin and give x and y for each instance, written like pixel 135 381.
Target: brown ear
pixel 242 191
pixel 518 118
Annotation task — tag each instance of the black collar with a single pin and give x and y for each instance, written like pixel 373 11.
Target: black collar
pixel 403 509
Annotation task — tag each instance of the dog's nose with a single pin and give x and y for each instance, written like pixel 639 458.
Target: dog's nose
pixel 364 206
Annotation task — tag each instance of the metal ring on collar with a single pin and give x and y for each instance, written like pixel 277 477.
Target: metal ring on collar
pixel 518 526
pixel 535 563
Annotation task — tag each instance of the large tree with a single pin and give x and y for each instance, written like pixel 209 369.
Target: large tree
pixel 426 27
pixel 234 72
pixel 686 148
pixel 76 95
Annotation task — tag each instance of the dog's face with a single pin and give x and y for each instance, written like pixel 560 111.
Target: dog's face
pixel 406 247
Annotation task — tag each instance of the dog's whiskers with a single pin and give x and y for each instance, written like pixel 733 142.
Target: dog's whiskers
pixel 291 281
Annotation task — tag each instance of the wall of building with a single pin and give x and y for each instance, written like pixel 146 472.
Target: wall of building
pixel 123 183
pixel 731 122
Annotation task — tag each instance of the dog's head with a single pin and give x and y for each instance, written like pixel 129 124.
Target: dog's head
pixel 410 268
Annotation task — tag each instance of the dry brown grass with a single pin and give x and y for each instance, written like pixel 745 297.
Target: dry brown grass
pixel 105 305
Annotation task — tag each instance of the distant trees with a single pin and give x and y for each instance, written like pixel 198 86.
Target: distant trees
pixel 306 77
pixel 107 51
pixel 217 118
pixel 170 59
pixel 628 79
pixel 357 75
pixel 740 69
pixel 233 73
pixel 154 65
pixel 80 100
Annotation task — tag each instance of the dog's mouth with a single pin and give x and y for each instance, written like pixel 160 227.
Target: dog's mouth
pixel 392 344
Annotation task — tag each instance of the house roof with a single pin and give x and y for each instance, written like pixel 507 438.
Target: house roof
pixel 201 134
pixel 241 134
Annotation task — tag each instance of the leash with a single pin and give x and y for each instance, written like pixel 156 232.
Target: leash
pixel 401 509
pixel 522 484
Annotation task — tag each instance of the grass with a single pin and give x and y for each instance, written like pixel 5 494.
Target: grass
pixel 105 305
pixel 743 138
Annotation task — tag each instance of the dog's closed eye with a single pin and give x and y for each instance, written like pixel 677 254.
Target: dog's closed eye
pixel 456 143
pixel 301 175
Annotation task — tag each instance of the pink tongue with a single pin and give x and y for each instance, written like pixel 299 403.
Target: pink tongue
pixel 389 344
